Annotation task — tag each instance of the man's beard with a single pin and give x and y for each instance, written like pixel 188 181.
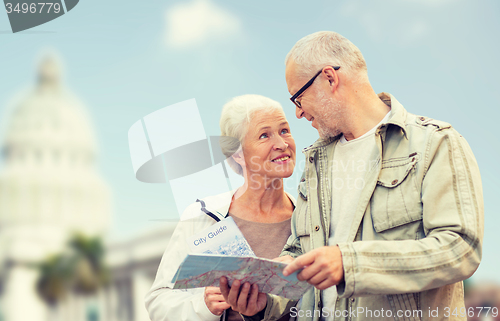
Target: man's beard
pixel 330 115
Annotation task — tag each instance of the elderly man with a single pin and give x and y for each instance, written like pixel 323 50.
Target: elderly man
pixel 390 215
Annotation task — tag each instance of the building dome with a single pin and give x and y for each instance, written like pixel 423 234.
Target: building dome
pixel 49 184
pixel 49 118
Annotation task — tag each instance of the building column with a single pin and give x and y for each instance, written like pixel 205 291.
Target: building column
pixel 141 284
pixel 21 300
pixel 113 303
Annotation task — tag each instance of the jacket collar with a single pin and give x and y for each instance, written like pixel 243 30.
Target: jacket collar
pixel 397 117
pixel 398 112
pixel 219 204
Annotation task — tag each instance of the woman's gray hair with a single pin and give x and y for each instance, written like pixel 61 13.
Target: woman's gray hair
pixel 234 120
pixel 324 48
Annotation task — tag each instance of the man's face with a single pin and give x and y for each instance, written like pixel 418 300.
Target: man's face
pixel 323 111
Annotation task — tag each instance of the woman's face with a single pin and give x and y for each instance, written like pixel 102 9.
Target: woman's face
pixel 268 146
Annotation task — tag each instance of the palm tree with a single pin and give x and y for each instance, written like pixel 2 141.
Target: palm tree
pixel 52 284
pixel 89 271
pixel 55 273
pixel 80 268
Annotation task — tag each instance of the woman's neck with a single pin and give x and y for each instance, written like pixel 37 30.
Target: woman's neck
pixel 262 201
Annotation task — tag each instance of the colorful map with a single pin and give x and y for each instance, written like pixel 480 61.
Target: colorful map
pixel 201 270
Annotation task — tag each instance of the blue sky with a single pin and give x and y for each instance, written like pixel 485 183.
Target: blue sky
pixel 125 60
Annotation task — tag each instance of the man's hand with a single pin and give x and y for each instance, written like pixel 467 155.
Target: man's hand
pixel 241 301
pixel 284 259
pixel 215 301
pixel 322 267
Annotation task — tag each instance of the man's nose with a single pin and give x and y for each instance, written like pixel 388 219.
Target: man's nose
pixel 299 112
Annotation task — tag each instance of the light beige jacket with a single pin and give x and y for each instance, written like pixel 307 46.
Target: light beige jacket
pixel 417 230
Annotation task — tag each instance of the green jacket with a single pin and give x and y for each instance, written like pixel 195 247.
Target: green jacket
pixel 417 231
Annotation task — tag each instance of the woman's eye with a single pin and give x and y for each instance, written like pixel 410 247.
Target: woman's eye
pixel 263 136
pixel 284 131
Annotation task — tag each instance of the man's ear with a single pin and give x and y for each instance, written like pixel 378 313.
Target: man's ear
pixel 332 77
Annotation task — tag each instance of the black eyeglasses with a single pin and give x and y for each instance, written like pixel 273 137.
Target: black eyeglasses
pixel 309 83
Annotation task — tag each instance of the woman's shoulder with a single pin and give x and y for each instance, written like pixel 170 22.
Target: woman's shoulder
pixel 215 204
pixel 195 217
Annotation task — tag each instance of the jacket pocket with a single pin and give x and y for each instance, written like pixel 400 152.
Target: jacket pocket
pixel 396 200
pixel 405 307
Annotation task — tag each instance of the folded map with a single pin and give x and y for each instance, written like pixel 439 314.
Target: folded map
pixel 201 270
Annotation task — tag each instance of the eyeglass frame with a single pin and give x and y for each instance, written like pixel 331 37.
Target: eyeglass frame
pixel 307 85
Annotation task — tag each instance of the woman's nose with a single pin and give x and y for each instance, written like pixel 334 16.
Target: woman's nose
pixel 280 144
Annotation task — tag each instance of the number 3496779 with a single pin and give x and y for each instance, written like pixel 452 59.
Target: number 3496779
pixel 40 7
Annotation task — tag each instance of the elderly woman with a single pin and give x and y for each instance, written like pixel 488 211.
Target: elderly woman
pixel 260 208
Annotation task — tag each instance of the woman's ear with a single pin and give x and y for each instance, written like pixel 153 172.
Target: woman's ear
pixel 238 158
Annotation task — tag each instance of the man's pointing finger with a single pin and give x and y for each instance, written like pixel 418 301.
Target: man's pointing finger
pixel 299 263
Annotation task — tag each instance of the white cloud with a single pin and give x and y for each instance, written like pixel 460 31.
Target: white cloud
pixel 367 16
pixel 196 22
pixel 418 29
pixel 432 3
pixel 395 20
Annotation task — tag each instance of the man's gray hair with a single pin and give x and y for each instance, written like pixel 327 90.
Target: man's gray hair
pixel 234 120
pixel 324 48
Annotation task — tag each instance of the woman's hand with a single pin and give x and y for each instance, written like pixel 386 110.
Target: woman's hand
pixel 248 301
pixel 284 259
pixel 215 301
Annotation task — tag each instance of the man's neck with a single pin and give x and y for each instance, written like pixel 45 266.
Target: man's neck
pixel 367 110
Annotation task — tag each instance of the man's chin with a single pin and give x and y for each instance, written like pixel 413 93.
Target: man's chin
pixel 327 133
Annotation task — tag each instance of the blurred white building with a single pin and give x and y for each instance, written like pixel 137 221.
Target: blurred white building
pixel 133 265
pixel 50 188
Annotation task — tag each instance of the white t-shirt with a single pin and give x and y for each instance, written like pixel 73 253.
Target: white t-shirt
pixel 351 161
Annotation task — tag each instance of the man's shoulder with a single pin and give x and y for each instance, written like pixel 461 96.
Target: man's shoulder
pixel 426 134
pixel 409 121
pixel 418 126
pixel 423 121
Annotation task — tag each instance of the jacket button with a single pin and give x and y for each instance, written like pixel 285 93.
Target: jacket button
pixel 422 118
pixel 316 228
pixel 311 159
pixel 352 299
pixel 394 182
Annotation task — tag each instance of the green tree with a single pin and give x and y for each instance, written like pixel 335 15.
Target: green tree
pixel 55 275
pixel 89 270
pixel 80 267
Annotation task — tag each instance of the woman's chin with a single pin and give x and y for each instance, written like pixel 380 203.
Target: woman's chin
pixel 287 174
pixel 284 174
pixel 282 170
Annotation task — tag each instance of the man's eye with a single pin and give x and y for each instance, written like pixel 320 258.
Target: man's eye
pixel 263 136
pixel 284 131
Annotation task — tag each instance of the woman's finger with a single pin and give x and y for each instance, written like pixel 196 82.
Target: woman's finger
pixel 242 300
